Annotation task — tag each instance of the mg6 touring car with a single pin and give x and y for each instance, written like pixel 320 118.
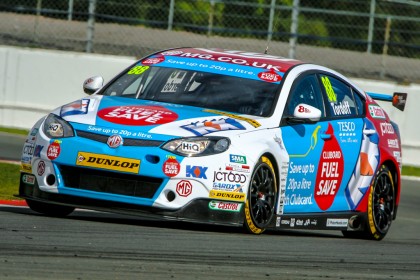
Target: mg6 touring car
pixel 221 137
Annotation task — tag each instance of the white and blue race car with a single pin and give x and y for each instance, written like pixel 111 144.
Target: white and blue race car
pixel 221 137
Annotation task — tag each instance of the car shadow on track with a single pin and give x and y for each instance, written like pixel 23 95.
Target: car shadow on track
pixel 106 217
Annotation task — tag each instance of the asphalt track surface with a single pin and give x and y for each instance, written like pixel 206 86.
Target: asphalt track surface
pixel 97 245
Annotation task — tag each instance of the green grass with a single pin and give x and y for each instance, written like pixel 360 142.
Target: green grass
pixel 10 174
pixel 9 180
pixel 14 130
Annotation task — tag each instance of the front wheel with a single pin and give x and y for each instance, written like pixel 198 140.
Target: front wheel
pixel 52 210
pixel 261 199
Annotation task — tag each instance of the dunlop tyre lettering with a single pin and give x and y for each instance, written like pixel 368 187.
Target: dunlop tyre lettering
pixel 261 199
pixel 380 208
pixel 381 204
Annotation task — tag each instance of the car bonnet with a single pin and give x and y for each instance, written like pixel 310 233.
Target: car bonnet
pixel 117 115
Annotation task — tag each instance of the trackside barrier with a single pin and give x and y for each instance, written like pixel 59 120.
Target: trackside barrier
pixel 34 82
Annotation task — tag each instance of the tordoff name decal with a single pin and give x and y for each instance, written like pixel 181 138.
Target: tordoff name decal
pixel 108 162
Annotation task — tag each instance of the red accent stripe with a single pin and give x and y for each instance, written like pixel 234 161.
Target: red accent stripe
pixel 13 202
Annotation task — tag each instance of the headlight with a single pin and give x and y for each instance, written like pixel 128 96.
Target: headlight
pixel 197 146
pixel 56 127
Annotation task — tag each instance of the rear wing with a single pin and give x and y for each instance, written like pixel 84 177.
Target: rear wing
pixel 398 99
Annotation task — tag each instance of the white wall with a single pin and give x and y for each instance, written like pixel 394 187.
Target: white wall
pixel 33 82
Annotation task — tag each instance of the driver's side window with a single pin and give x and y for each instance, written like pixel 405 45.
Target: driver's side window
pixel 306 90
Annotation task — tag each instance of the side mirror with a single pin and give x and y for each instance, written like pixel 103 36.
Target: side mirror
pixel 92 84
pixel 305 113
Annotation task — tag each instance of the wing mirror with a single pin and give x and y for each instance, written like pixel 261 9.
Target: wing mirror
pixel 92 84
pixel 305 113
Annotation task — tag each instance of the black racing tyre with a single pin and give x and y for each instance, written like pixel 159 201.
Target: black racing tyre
pixel 52 210
pixel 381 205
pixel 261 199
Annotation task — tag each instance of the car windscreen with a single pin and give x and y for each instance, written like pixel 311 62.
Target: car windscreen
pixel 195 88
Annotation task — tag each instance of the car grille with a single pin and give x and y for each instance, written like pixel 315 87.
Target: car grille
pixel 109 182
pixel 127 141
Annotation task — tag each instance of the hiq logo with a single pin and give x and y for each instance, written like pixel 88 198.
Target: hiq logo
pixel 190 147
pixel 206 127
pixel 196 171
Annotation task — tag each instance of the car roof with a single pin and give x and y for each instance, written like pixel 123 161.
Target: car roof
pixel 253 59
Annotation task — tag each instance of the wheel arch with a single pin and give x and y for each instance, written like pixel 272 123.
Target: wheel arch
pixel 273 160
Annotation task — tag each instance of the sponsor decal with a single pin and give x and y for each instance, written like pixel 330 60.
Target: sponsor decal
pixel 278 220
pixel 337 222
pixel 137 115
pixel 171 53
pixel 297 199
pixel 230 176
pixel 41 168
pixel 225 195
pixel 239 58
pixel 114 141
pixel 237 159
pixel 25 167
pixel 137 70
pixel 25 159
pixel 330 172
pixel 387 128
pixel 184 188
pixel 53 150
pixel 342 108
pixel 196 171
pixel 399 99
pixel 79 107
pixel 28 149
pixel 34 131
pixel 269 76
pixel 303 109
pixel 108 162
pixel 206 127
pixel 252 122
pixel 376 112
pixel 393 143
pixel 190 147
pixel 238 168
pixel 171 167
pixel 225 206
pixel 122 132
pixel 174 81
pixel 347 128
pixel 153 60
pixel 398 158
pixel 28 179
pixel 231 187
pixel 37 151
pixel 332 97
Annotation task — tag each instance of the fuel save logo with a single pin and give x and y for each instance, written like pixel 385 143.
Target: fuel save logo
pixel 137 115
pixel 330 172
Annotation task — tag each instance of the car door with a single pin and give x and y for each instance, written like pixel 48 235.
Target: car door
pixel 322 154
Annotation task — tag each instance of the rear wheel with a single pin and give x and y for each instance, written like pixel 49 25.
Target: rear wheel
pixel 261 199
pixel 381 206
pixel 49 209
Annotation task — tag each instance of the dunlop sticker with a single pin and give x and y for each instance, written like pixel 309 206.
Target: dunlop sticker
pixel 225 195
pixel 108 162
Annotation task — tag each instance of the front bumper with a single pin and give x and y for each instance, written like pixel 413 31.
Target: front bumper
pixel 197 210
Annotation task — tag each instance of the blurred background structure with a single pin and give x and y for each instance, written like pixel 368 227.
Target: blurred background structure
pixel 376 39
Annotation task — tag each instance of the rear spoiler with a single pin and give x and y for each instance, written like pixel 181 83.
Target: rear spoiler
pixel 398 99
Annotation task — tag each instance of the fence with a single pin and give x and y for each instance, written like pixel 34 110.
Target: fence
pixel 362 38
